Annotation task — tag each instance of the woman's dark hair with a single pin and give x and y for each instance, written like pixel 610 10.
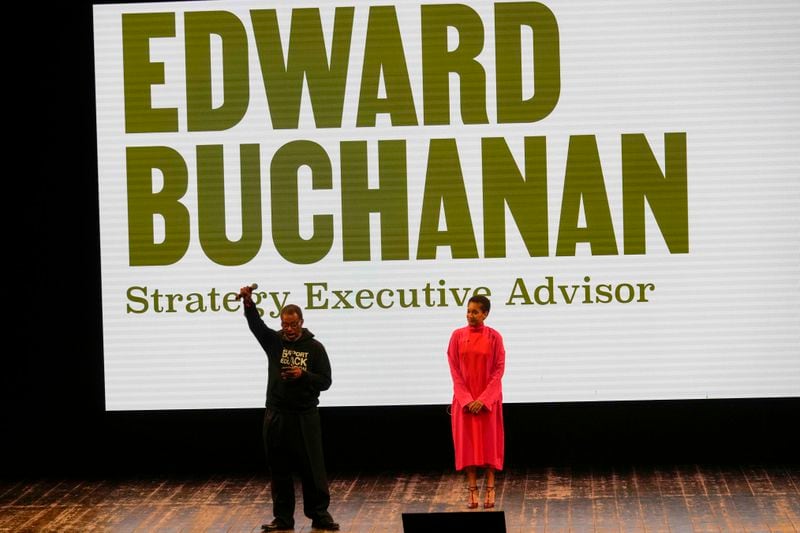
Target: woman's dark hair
pixel 483 301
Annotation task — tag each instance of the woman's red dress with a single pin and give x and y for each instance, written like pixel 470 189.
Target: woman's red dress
pixel 477 360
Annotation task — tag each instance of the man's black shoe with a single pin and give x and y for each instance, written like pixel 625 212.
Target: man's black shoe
pixel 277 525
pixel 328 525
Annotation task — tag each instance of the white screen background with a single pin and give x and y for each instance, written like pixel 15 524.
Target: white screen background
pixel 724 320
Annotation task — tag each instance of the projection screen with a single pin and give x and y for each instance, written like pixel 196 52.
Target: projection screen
pixel 622 178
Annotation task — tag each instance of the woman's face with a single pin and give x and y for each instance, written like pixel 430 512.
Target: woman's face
pixel 475 314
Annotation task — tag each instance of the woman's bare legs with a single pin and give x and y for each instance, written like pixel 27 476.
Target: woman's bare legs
pixel 490 492
pixel 472 487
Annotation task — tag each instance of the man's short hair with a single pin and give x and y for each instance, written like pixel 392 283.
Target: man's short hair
pixel 292 309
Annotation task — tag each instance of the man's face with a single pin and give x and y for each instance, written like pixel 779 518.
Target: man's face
pixel 292 326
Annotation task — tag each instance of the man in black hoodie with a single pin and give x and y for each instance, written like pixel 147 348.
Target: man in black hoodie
pixel 298 371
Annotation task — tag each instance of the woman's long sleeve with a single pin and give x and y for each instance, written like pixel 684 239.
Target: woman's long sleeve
pixel 460 390
pixel 493 393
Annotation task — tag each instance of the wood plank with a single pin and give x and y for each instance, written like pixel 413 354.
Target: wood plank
pixel 670 483
pixel 630 515
pixel 557 515
pixel 759 481
pixel 624 481
pixel 581 514
pixel 603 483
pixel 774 512
pixel 653 512
pixel 559 484
pixel 749 512
pixel 691 481
pixel 712 481
pixel 781 481
pixel 737 483
pixel 702 514
pixel 725 511
pixel 606 515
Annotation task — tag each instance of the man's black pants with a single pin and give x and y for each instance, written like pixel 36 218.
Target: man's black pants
pixel 293 442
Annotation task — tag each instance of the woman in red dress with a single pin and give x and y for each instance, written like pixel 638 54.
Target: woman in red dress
pixel 477 360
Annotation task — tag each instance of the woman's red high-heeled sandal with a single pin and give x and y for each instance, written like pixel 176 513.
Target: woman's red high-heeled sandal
pixel 489 503
pixel 473 497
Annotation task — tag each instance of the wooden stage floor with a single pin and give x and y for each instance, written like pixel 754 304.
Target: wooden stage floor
pixel 675 499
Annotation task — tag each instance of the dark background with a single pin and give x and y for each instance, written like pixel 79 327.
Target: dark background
pixel 54 421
